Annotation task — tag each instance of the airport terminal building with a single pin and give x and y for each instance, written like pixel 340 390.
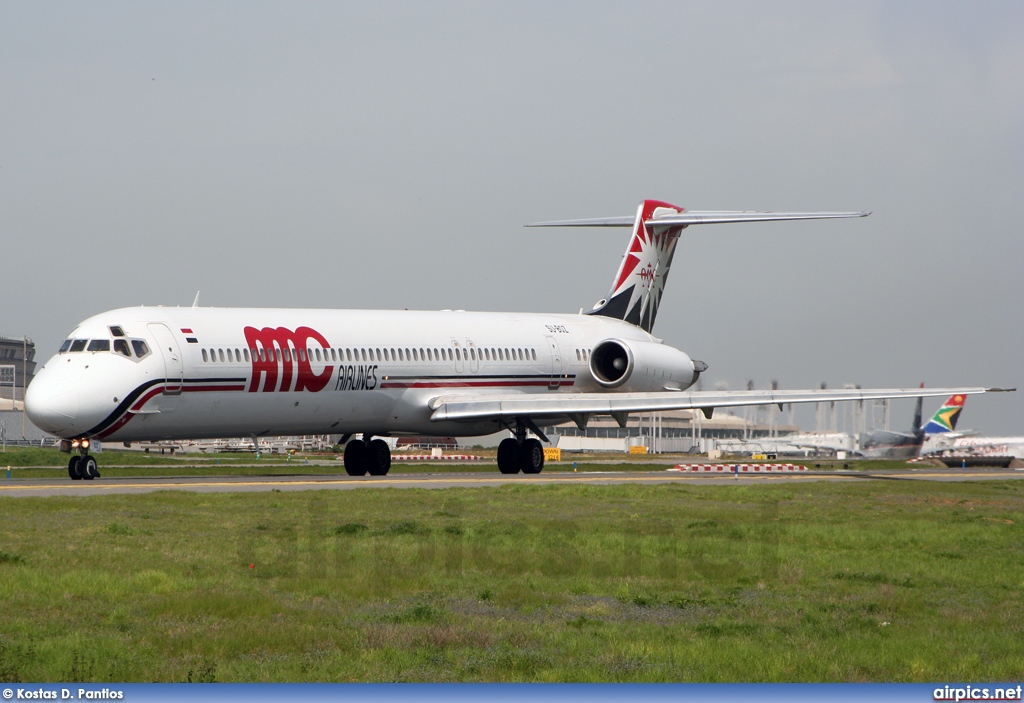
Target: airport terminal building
pixel 17 367
pixel 670 431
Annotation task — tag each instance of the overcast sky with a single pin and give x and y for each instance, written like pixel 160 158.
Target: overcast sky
pixel 382 155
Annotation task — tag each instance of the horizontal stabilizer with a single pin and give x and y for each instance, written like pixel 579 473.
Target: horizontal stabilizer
pixel 700 217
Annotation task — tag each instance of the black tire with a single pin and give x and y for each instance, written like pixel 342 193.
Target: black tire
pixel 355 458
pixel 507 452
pixel 73 465
pixel 378 457
pixel 531 456
pixel 87 467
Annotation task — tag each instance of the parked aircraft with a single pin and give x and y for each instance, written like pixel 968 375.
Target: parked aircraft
pixel 883 444
pixel 157 373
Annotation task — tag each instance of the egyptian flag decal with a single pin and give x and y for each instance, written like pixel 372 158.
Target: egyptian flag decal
pixel 189 339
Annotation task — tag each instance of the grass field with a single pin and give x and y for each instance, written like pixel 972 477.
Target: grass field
pixel 864 581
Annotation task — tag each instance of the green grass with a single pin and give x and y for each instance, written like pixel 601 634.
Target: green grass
pixel 879 581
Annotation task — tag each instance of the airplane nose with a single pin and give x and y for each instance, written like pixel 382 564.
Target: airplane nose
pixel 51 402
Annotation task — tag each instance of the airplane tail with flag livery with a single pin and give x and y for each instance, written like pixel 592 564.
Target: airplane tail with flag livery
pixel 945 418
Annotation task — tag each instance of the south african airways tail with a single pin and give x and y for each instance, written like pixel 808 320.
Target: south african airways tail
pixel 945 418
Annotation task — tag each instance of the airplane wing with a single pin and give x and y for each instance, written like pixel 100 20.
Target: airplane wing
pixel 579 406
pixel 698 217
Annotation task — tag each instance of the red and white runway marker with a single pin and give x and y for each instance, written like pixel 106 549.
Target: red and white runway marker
pixel 431 457
pixel 739 468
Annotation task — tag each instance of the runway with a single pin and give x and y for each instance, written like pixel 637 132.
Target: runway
pixel 34 487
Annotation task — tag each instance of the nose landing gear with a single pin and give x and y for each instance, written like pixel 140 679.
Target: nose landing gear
pixel 83 466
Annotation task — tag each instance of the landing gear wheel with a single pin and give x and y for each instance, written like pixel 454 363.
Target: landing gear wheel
pixel 87 467
pixel 507 463
pixel 73 470
pixel 531 456
pixel 355 458
pixel 378 457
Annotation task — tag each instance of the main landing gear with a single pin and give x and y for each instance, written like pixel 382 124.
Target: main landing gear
pixel 83 466
pixel 367 456
pixel 521 453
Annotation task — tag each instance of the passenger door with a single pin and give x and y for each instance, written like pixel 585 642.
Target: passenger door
pixel 174 369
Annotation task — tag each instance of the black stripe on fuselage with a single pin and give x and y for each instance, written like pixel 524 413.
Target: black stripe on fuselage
pixel 130 399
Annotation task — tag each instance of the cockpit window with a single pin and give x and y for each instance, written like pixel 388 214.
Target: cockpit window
pixel 97 345
pixel 121 347
pixel 140 347
pixel 78 345
pixel 116 330
pixel 65 346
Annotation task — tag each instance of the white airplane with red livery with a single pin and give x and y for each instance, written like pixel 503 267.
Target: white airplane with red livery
pixel 161 373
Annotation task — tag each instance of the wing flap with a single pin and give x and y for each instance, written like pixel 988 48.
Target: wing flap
pixel 504 406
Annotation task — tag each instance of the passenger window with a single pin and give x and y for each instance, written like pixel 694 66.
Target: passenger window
pixel 98 345
pixel 205 359
pixel 222 356
pixel 65 346
pixel 246 352
pixel 121 347
pixel 288 354
pixel 230 358
pixel 140 347
pixel 533 354
pixel 317 354
pixel 458 355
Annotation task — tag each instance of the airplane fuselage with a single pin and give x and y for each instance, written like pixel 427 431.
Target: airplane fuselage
pixel 229 372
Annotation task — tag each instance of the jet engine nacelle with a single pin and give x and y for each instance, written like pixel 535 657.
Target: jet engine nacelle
pixel 642 366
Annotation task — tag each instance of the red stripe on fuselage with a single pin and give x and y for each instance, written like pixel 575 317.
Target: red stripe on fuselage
pixel 158 390
pixel 472 384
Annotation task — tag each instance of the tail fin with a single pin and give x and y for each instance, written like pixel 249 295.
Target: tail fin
pixel 640 281
pixel 638 285
pixel 944 420
pixel 916 427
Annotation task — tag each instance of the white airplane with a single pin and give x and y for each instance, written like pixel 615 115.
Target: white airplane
pixel 159 373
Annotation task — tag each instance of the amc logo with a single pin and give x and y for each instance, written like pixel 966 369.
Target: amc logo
pixel 279 354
